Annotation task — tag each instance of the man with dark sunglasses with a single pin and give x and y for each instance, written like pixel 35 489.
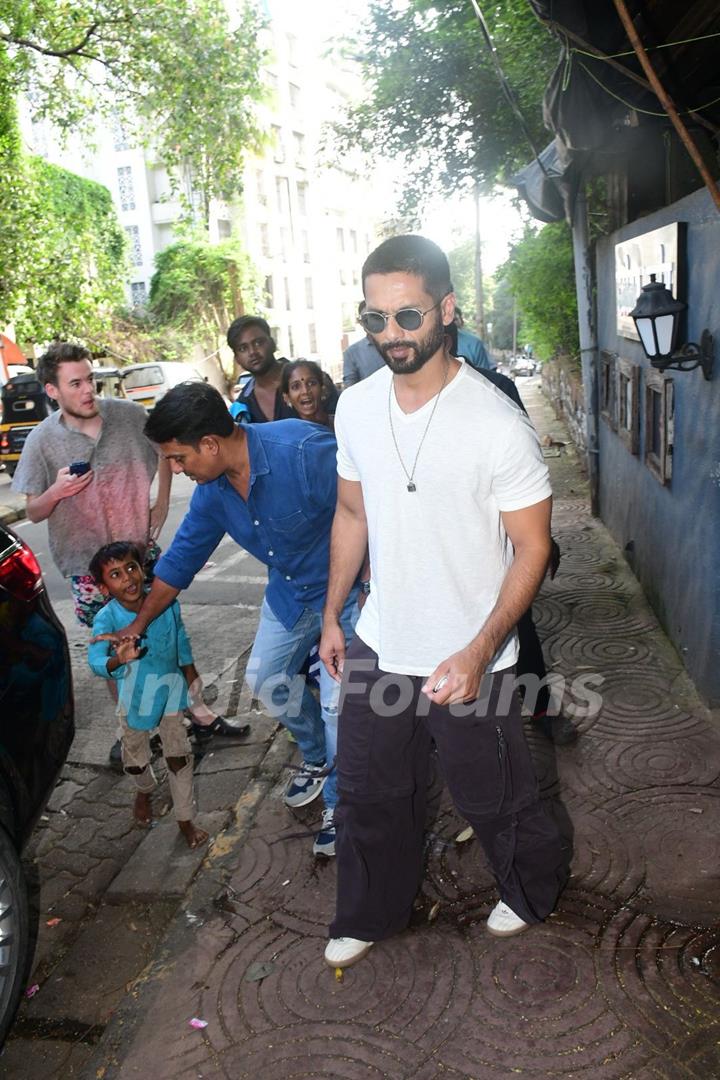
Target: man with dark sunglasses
pixel 443 476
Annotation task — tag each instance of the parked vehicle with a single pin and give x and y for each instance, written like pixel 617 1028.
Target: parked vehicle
pixel 24 405
pixel 109 381
pixel 146 383
pixel 36 730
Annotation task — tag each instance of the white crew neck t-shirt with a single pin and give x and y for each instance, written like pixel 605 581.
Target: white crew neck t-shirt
pixel 439 554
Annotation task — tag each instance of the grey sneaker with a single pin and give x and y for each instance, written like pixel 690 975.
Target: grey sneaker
pixel 306 785
pixel 325 839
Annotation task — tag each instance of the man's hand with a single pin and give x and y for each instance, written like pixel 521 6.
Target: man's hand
pixel 332 647
pixel 158 516
pixel 132 631
pixel 67 484
pixel 456 679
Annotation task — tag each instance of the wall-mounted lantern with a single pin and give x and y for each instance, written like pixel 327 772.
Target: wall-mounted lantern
pixel 656 314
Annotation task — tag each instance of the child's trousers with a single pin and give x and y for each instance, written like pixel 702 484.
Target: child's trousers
pixel 177 753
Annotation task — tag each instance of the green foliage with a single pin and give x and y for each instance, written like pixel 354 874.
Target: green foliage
pixel 75 256
pixel 199 287
pixel 541 276
pixel 500 314
pixel 172 71
pixel 435 101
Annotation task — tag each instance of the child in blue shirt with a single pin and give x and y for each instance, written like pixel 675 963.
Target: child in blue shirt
pixel 153 675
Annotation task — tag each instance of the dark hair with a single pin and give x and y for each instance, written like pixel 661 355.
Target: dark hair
pixel 288 369
pixel 60 352
pixel 236 328
pixel 411 255
pixel 114 552
pixel 187 413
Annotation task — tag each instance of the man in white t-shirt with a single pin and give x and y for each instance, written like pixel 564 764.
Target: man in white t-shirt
pixel 442 476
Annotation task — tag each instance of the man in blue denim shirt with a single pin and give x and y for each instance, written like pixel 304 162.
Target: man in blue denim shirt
pixel 272 488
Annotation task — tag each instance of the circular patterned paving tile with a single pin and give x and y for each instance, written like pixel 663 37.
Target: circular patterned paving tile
pixel 571 649
pixel 637 705
pixel 654 976
pixel 672 833
pixel 415 987
pixel 550 615
pixel 633 766
pixel 537 1008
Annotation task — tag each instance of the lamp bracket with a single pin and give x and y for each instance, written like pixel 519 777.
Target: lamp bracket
pixel 690 356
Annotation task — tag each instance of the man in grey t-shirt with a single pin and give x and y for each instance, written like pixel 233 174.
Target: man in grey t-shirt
pixel 111 499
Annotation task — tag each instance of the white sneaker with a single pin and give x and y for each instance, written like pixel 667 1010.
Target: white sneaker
pixel 503 922
pixel 341 952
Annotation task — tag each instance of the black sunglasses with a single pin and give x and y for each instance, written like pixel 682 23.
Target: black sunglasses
pixel 407 318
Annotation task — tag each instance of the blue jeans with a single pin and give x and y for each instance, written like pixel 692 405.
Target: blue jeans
pixel 273 677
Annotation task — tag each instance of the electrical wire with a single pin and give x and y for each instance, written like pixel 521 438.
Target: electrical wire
pixel 636 108
pixel 652 48
pixel 506 88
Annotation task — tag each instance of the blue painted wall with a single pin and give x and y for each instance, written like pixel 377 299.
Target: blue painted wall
pixel 675 530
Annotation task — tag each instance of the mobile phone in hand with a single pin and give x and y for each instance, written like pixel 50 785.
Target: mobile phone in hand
pixel 79 468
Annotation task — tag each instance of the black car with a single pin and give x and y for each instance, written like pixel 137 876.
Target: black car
pixel 36 730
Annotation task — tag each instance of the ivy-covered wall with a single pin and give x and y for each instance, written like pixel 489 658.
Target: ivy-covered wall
pixel 62 246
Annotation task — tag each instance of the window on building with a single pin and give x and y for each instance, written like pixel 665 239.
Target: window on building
pixel 340 238
pixel 133 234
pixel 269 291
pixel 299 141
pixel 355 276
pixel 138 293
pixel 287 295
pixel 312 338
pixel 260 187
pixel 302 197
pixel 224 228
pixel 309 293
pixel 294 96
pixel 282 192
pixel 265 239
pixel 305 240
pixel 293 55
pixel 126 187
pixel 343 276
pixel 607 388
pixel 279 144
pixel 659 425
pixel 628 408
pixel 286 241
pixel 353 242
pixel 291 342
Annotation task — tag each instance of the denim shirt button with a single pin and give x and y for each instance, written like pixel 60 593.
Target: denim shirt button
pixel 271 552
pixel 256 522
pixel 288 578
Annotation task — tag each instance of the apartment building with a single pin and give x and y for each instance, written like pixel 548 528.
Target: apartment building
pixel 306 223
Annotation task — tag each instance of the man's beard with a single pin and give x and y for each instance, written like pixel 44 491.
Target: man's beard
pixel 420 352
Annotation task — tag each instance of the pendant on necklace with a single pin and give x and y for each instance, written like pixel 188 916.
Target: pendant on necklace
pixel 411 486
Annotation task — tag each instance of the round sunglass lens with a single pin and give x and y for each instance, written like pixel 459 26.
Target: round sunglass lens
pixel 408 318
pixel 373 322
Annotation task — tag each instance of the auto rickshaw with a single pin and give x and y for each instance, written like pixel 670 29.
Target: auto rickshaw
pixel 24 405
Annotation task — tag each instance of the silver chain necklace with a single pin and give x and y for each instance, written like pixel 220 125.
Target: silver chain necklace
pixel 410 481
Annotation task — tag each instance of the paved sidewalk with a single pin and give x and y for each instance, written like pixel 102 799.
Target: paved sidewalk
pixel 621 983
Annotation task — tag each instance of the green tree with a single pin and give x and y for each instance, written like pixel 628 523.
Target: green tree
pixel 541 276
pixel 199 287
pixel 76 248
pixel 500 314
pixel 434 99
pixel 174 72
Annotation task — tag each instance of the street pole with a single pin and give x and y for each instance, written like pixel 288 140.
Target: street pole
pixel 588 340
pixel 479 297
pixel 514 345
